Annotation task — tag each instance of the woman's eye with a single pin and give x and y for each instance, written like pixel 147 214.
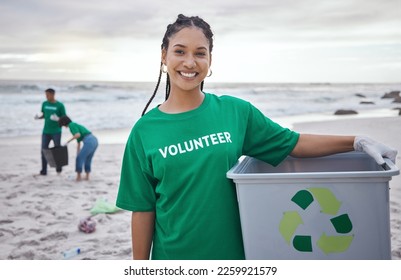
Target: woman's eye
pixel 179 52
pixel 201 54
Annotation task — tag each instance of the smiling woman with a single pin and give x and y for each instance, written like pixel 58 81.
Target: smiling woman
pixel 188 61
pixel 190 55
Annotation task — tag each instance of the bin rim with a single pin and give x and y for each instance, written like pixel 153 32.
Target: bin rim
pixel 244 161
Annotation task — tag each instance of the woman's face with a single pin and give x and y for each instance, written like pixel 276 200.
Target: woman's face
pixel 187 59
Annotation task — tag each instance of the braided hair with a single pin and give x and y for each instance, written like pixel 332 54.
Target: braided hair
pixel 180 23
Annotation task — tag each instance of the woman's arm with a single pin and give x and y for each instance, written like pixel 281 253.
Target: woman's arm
pixel 75 136
pixel 142 228
pixel 78 147
pixel 313 145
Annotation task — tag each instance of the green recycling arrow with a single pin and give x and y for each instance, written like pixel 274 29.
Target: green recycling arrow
pixel 326 199
pixel 342 223
pixel 302 243
pixel 303 199
pixel 329 204
pixel 334 244
pixel 289 224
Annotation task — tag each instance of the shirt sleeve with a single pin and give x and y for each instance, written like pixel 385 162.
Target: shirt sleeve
pixel 137 185
pixel 62 110
pixel 267 140
pixel 73 128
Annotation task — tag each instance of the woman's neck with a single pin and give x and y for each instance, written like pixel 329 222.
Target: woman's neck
pixel 180 102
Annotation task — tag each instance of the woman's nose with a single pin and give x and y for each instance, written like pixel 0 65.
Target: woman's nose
pixel 189 61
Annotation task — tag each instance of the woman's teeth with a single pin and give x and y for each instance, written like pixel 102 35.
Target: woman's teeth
pixel 188 75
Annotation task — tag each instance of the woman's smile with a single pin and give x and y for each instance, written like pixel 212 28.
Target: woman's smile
pixel 188 74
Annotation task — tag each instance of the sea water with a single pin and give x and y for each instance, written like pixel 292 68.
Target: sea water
pixel 115 105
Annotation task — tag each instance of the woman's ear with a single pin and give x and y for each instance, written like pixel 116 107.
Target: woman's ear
pixel 164 54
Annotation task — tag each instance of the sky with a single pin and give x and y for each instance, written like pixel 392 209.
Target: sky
pixel 316 41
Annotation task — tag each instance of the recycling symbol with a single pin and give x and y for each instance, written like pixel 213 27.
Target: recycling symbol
pixel 329 205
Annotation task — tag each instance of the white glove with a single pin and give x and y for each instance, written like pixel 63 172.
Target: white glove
pixel 375 149
pixel 37 116
pixel 54 117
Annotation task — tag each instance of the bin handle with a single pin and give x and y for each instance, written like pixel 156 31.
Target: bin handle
pixel 385 166
pixel 389 165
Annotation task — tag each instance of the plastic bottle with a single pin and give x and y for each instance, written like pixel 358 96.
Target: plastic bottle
pixel 71 253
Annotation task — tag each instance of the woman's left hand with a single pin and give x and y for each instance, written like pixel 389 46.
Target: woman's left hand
pixel 376 150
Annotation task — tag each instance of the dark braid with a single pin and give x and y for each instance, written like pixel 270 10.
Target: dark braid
pixel 154 92
pixel 181 22
pixel 167 86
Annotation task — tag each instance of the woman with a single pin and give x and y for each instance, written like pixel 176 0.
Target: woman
pixel 173 176
pixel 84 155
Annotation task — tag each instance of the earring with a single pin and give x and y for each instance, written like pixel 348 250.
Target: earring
pixel 210 74
pixel 164 70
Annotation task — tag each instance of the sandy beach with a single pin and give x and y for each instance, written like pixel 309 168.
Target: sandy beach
pixel 40 214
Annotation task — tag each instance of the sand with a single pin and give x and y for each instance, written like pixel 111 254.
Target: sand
pixel 40 214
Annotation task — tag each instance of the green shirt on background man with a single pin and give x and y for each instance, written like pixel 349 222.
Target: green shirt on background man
pixel 48 109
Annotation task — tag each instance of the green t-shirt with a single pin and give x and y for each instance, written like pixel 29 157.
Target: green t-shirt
pixel 77 128
pixel 48 109
pixel 176 164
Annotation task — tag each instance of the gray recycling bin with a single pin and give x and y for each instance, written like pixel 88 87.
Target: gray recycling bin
pixel 334 207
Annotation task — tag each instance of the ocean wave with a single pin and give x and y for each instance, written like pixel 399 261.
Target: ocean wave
pixel 104 105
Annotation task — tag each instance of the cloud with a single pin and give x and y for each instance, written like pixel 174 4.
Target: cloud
pixel 47 29
pixel 143 19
